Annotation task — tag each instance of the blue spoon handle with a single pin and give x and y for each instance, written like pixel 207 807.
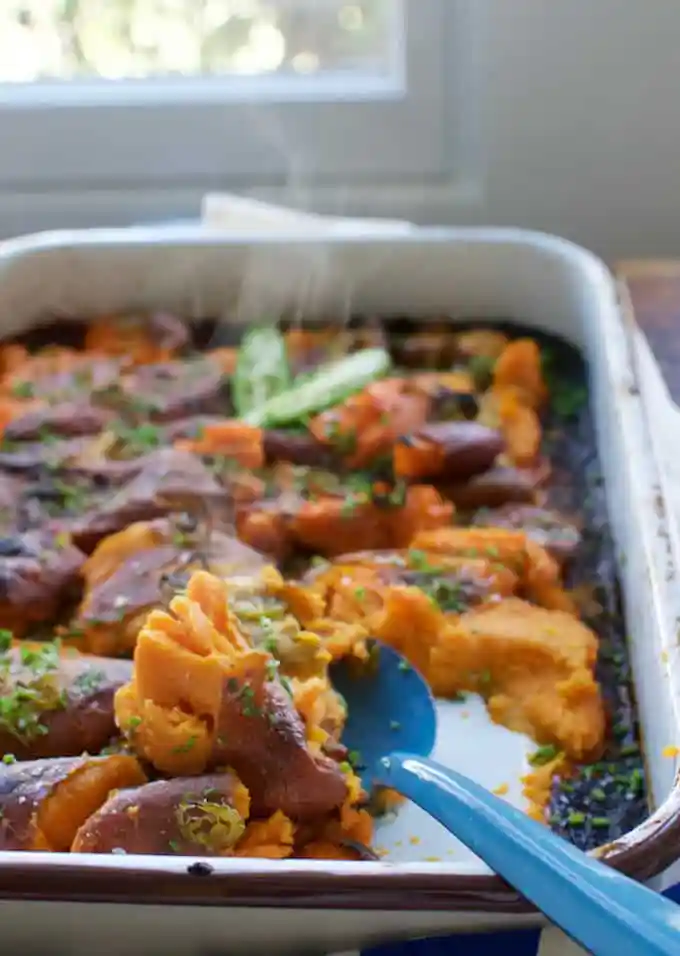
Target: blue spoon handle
pixel 599 908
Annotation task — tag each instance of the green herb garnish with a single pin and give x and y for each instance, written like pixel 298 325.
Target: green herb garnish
pixel 35 690
pixel 185 747
pixel 140 438
pixel 23 390
pixel 418 560
pixel 544 755
pixel 567 398
pixel 287 686
pixel 348 507
pixel 214 826
pixel 447 595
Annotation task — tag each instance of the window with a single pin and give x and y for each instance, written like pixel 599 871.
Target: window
pixel 105 94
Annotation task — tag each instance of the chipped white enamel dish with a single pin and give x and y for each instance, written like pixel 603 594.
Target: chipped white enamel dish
pixel 427 883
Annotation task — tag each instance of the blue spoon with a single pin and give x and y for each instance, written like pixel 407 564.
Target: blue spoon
pixel 389 707
pixel 392 725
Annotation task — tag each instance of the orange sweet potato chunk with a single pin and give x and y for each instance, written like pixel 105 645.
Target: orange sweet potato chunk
pixel 202 698
pixel 370 422
pixel 534 666
pixel 539 573
pixel 520 426
pixel 519 367
pixel 43 803
pixel 332 526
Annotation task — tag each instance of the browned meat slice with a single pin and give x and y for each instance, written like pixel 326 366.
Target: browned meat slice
pixel 11 492
pixel 434 347
pixel 31 455
pixel 106 471
pixel 261 735
pixel 169 481
pixel 136 569
pixel 190 427
pixel 453 451
pixel 553 531
pixel 449 404
pixel 37 569
pixel 500 485
pixel 178 389
pixel 298 448
pixel 57 703
pixel 45 500
pixel 64 376
pixel 134 585
pixel 69 419
pixel 199 816
pixel 171 332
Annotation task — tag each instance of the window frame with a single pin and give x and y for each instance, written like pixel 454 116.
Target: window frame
pixel 265 131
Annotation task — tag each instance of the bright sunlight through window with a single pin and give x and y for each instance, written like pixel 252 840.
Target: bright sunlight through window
pixel 125 39
pixel 120 94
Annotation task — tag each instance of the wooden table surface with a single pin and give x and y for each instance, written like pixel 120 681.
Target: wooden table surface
pixel 654 287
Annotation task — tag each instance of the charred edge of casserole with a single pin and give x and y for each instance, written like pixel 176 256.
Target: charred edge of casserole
pixel 601 802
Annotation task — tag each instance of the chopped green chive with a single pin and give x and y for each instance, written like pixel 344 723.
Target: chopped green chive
pixel 185 747
pixel 544 755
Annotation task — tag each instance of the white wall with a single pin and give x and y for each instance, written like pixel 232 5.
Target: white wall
pixel 570 123
pixel 584 120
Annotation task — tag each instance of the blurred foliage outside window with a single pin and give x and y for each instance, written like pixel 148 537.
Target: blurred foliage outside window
pixel 43 40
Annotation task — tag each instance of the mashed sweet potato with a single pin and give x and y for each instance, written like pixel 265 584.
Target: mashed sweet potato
pixel 203 697
pixel 455 611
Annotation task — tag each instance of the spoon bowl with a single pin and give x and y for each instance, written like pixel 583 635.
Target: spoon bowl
pixel 389 707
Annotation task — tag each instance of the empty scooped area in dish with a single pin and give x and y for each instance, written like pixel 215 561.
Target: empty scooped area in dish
pixel 225 516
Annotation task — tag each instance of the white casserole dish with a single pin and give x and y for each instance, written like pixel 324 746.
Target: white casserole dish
pixel 157 904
